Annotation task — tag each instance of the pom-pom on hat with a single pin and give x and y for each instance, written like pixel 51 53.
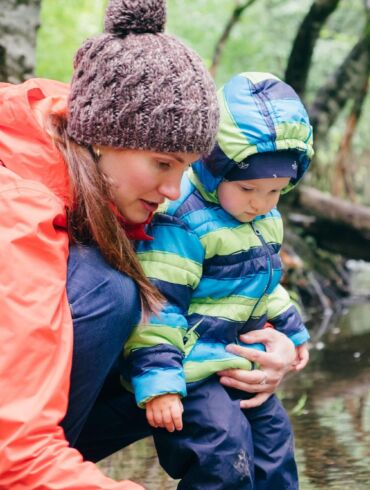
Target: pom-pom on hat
pixel 136 87
pixel 123 17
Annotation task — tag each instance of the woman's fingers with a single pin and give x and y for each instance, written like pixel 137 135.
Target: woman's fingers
pixel 241 383
pixel 274 341
pixel 302 358
pixel 256 401
pixel 266 360
pixel 249 377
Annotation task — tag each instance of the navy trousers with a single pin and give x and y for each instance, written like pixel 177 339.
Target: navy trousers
pixel 105 307
pixel 220 447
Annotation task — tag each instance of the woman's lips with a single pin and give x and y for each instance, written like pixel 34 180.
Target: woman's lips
pixel 149 206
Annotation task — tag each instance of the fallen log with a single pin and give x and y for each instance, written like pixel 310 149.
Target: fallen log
pixel 335 209
pixel 337 225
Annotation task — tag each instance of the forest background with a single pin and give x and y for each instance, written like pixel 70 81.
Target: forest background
pixel 261 39
pixel 320 47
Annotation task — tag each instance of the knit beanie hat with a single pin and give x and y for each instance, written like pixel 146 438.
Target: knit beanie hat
pixel 136 87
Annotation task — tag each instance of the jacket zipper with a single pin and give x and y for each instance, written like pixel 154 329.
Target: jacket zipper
pixel 265 246
pixel 190 331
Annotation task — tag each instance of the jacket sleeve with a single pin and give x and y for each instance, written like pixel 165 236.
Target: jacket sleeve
pixel 155 350
pixel 36 345
pixel 284 316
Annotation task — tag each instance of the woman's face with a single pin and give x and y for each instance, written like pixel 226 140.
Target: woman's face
pixel 141 179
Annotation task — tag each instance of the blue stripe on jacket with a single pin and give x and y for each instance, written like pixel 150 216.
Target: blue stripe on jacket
pixel 180 246
pixel 224 330
pixel 252 286
pixel 242 264
pixel 290 323
pixel 176 294
pixel 158 382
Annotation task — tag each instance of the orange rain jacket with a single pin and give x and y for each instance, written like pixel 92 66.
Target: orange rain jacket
pixel 35 321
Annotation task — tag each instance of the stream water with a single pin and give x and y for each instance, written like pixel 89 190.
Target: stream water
pixel 329 405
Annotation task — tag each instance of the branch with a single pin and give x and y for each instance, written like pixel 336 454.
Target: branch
pixel 220 45
pixel 332 97
pixel 343 172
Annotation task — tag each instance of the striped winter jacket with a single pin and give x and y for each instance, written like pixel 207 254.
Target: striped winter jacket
pixel 221 277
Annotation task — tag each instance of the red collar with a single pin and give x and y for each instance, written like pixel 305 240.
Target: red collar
pixel 134 231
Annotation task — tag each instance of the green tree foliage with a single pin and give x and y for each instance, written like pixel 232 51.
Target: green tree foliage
pixel 261 40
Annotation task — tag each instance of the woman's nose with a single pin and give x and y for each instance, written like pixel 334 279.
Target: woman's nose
pixel 170 188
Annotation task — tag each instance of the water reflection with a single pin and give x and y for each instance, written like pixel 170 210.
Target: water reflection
pixel 332 431
pixel 330 409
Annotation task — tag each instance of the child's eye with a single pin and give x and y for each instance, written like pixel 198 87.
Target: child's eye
pixel 246 189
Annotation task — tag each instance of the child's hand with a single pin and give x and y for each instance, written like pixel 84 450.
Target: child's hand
pixel 165 411
pixel 302 356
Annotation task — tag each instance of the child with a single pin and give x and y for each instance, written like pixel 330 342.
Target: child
pixel 215 259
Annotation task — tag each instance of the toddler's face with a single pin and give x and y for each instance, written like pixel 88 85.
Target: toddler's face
pixel 246 199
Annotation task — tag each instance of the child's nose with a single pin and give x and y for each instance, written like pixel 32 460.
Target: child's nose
pixel 256 203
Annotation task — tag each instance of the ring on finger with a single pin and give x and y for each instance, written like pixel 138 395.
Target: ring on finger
pixel 263 380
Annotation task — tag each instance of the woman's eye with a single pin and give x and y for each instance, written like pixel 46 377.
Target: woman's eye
pixel 164 165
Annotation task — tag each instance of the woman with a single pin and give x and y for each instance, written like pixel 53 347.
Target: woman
pixel 82 169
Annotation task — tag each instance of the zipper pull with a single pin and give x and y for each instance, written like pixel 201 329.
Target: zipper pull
pixel 256 230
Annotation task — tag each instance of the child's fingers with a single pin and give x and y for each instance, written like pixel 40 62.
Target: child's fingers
pixel 165 412
pixel 168 420
pixel 150 416
pixel 158 418
pixel 177 416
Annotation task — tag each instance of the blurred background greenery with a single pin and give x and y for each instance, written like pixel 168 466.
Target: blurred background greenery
pixel 260 40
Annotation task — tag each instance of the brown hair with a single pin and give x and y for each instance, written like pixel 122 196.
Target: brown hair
pixel 91 219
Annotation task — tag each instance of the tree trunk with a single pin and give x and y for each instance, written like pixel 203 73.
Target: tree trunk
pixel 19 20
pixel 300 58
pixel 345 84
pixel 342 184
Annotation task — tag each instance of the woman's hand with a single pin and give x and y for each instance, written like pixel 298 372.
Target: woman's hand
pixel 278 359
pixel 302 357
pixel 165 411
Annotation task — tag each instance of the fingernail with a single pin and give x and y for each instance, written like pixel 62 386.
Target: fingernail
pixel 230 347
